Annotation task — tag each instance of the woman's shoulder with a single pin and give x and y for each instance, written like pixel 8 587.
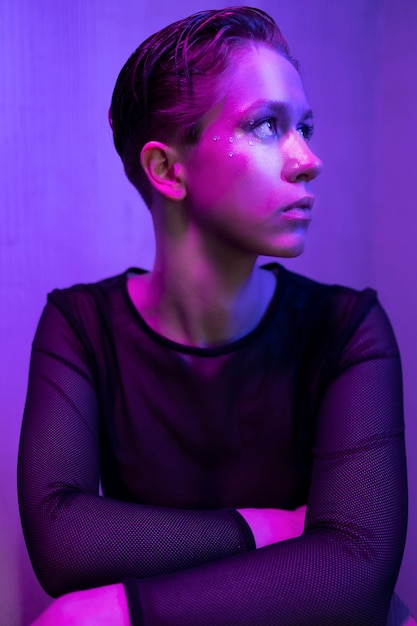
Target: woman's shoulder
pixel 310 294
pixel 89 309
pixel 81 289
pixel 92 295
pixel 339 318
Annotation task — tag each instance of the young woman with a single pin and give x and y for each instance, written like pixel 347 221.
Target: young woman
pixel 214 398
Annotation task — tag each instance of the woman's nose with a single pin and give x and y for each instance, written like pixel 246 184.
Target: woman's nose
pixel 301 163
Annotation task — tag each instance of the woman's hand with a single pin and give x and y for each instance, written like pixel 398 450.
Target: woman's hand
pixel 102 606
pixel 273 525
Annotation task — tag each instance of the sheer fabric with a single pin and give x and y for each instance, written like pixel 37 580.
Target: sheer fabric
pixel 305 408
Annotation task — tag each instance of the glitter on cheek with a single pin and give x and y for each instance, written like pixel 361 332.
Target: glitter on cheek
pixel 250 142
pixel 231 140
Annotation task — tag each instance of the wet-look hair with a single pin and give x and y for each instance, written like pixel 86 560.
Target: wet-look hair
pixel 171 80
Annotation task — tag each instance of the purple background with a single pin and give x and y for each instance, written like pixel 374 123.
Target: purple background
pixel 68 214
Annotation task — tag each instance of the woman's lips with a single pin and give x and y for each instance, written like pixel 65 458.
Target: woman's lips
pixel 300 209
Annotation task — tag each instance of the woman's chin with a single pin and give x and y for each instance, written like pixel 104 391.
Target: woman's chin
pixel 288 251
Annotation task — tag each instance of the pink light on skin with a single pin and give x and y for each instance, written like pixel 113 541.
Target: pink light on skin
pixel 223 203
pixel 259 200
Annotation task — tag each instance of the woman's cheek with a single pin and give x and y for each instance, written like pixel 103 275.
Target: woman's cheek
pixel 225 164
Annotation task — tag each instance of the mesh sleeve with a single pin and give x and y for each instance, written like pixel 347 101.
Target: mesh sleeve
pixel 343 569
pixel 76 538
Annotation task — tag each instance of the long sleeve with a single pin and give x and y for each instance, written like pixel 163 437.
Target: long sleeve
pixel 217 433
pixel 75 537
pixel 343 569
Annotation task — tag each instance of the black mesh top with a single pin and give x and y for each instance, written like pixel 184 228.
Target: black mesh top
pixel 305 408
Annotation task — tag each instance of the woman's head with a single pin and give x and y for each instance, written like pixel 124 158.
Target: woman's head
pixel 171 80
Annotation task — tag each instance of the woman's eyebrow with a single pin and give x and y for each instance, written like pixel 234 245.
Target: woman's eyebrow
pixel 279 108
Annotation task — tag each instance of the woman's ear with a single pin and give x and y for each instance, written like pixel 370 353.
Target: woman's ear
pixel 164 170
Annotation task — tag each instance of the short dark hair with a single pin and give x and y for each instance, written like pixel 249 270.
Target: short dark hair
pixel 168 83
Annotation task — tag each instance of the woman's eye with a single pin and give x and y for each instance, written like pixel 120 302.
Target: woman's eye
pixel 306 131
pixel 264 129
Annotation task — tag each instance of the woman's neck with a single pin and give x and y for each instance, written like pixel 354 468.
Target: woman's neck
pixel 198 302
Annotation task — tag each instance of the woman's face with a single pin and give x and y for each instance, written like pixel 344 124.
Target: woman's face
pixel 248 177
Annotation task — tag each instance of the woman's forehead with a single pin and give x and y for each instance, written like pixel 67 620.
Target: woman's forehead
pixel 259 77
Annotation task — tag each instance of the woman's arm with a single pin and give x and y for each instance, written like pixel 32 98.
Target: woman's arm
pixel 108 605
pixel 344 567
pixel 76 538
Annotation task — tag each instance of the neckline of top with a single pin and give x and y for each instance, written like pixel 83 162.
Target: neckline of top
pixel 221 349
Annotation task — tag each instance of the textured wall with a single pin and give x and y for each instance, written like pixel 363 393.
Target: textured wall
pixel 68 215
pixel 394 219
